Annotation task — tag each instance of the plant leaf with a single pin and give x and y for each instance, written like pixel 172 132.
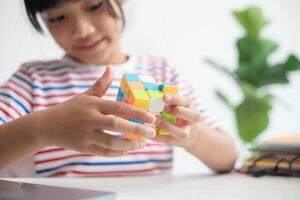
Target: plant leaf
pixel 253 58
pixel 223 98
pixel 278 74
pixel 252 117
pixel 252 20
pixel 248 89
pixel 291 64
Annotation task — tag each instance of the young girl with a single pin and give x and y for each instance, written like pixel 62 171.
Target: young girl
pixel 55 116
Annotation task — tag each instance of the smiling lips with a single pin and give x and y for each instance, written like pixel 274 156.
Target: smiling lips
pixel 90 46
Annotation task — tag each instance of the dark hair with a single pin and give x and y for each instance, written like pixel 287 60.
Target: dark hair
pixel 33 7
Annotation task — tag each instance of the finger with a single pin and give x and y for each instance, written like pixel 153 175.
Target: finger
pixel 101 151
pixel 114 123
pixel 166 139
pixel 126 111
pixel 176 100
pixel 185 113
pixel 175 131
pixel 108 141
pixel 102 84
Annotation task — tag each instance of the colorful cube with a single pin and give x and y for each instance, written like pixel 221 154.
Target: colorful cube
pixel 169 89
pixel 151 86
pixel 120 95
pixel 156 104
pixel 131 77
pixel 139 98
pixel 135 86
pixel 161 132
pixel 143 92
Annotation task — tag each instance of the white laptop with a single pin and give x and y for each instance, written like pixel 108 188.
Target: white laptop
pixel 10 190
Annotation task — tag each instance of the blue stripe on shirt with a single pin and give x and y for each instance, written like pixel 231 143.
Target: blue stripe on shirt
pixel 23 80
pixel 104 164
pixel 2 121
pixel 62 88
pixel 15 100
pixel 174 78
pixel 53 68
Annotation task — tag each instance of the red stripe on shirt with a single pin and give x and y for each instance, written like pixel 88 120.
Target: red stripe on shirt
pixel 50 150
pixel 19 94
pixel 6 113
pixel 21 86
pixel 62 149
pixel 117 172
pixel 11 107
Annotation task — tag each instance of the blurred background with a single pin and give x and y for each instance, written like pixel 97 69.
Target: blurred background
pixel 186 32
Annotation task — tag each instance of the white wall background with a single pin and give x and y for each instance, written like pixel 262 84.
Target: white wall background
pixel 185 32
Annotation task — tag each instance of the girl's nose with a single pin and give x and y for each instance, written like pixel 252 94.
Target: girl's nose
pixel 82 28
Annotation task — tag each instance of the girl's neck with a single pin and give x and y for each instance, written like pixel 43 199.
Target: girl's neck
pixel 116 58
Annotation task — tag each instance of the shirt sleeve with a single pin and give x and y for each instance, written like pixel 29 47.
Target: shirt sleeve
pixel 16 96
pixel 171 76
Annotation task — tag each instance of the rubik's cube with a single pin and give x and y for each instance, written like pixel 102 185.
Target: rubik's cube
pixel 143 92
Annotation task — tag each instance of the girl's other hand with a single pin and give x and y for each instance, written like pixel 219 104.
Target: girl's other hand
pixel 188 116
pixel 79 123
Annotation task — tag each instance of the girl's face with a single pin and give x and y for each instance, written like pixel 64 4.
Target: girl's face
pixel 86 30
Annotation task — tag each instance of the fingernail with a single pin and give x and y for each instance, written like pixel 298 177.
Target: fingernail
pixel 168 98
pixel 150 132
pixel 153 118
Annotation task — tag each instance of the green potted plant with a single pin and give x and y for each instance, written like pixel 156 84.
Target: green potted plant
pixel 255 75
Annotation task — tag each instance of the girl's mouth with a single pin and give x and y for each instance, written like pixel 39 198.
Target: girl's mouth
pixel 91 46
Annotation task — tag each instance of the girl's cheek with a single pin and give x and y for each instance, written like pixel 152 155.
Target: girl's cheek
pixel 59 33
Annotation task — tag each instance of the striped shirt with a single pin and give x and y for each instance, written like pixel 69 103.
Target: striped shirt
pixel 40 85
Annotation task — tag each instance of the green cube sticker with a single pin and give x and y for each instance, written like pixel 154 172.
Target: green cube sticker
pixel 155 94
pixel 168 117
pixel 139 94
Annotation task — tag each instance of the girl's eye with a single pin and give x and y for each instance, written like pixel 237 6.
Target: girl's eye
pixel 56 19
pixel 96 7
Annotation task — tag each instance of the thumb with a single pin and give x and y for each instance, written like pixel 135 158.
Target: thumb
pixel 102 84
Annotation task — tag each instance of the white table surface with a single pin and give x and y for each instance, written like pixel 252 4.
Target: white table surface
pixel 188 187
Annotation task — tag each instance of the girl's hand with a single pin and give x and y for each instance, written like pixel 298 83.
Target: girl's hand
pixel 79 123
pixel 179 135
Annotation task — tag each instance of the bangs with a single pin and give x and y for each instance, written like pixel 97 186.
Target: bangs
pixel 36 6
pixel 33 7
pixel 42 5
